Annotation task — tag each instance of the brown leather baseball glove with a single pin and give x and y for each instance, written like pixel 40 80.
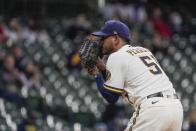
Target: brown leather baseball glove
pixel 90 51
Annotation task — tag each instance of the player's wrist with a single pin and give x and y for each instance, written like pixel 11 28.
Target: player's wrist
pixel 102 69
pixel 101 74
pixel 97 76
pixel 100 65
pixel 93 71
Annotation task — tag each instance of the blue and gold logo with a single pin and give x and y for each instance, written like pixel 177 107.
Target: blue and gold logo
pixel 108 75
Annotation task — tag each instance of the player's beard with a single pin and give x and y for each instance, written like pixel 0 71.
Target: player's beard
pixel 108 49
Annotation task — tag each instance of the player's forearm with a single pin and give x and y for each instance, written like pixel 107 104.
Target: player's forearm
pixel 109 96
pixel 102 67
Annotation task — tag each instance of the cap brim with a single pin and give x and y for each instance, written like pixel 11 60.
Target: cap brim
pixel 100 34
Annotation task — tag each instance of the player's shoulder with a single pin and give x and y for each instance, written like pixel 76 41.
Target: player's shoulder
pixel 116 56
pixel 119 56
pixel 126 50
pixel 117 59
pixel 138 50
pixel 120 53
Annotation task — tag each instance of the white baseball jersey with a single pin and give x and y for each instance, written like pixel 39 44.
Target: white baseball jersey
pixel 134 72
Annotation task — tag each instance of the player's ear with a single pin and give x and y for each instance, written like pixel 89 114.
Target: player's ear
pixel 116 39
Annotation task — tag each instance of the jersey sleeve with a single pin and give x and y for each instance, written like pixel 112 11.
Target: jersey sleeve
pixel 115 73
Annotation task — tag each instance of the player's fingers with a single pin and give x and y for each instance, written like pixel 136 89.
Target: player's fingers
pixel 100 64
pixel 93 71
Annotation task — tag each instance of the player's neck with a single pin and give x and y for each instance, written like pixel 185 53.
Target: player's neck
pixel 120 45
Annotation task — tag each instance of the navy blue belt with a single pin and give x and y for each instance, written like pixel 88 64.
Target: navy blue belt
pixel 160 94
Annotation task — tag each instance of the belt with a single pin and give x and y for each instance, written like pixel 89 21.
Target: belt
pixel 160 94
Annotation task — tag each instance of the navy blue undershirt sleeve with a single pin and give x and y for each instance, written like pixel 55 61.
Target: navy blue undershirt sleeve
pixel 109 96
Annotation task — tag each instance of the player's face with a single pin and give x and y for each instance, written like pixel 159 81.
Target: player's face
pixel 108 46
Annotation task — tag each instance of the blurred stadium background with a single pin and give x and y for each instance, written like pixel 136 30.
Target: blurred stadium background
pixel 42 84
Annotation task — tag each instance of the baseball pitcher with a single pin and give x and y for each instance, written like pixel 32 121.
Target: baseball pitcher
pixel 134 74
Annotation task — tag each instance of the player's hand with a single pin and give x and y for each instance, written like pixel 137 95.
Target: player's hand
pixel 100 64
pixel 93 71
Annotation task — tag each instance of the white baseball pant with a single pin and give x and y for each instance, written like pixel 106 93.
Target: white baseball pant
pixel 157 114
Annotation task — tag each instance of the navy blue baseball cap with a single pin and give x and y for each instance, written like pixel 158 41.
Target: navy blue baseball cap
pixel 114 27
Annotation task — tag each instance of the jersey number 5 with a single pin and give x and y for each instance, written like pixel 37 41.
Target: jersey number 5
pixel 152 64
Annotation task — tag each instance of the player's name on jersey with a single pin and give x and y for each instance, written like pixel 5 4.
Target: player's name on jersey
pixel 137 51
